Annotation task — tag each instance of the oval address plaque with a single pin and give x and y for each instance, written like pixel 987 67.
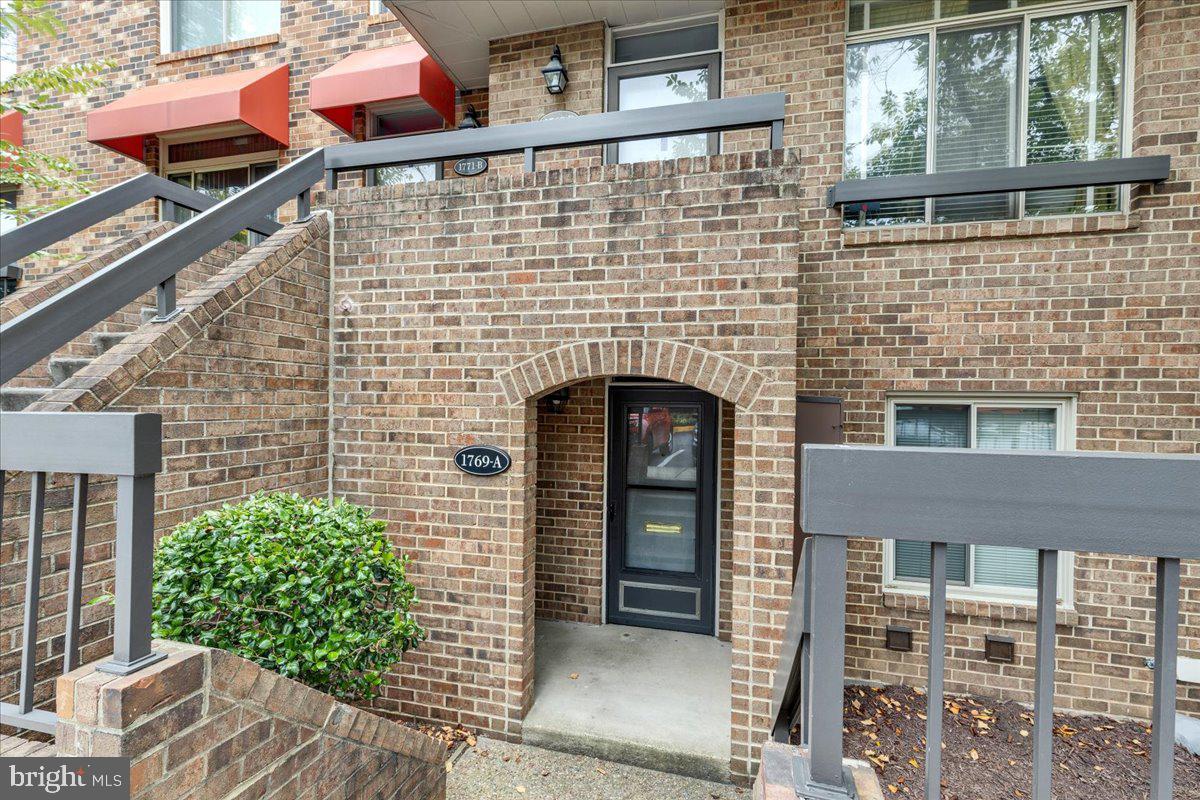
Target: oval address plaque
pixel 482 459
pixel 468 167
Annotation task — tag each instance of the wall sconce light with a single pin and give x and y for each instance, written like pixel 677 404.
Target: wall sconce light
pixel 555 73
pixel 999 649
pixel 898 638
pixel 470 119
pixel 557 400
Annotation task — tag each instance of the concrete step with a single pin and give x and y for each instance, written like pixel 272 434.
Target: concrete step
pixel 61 368
pixel 103 342
pixel 18 398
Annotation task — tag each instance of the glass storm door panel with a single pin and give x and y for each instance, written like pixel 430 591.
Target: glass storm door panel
pixel 661 508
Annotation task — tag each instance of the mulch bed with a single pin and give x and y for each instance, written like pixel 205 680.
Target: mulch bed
pixel 449 735
pixel 988 746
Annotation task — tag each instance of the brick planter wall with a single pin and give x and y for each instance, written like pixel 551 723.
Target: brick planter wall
pixel 207 723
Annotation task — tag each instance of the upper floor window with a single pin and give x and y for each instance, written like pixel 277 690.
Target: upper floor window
pixel 200 23
pixel 662 65
pixel 1017 87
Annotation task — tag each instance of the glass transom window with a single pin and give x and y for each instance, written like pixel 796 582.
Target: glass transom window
pixel 985 571
pixel 1017 87
pixel 200 23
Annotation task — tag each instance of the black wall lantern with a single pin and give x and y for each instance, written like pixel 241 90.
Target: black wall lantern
pixel 557 400
pixel 555 73
pixel 470 119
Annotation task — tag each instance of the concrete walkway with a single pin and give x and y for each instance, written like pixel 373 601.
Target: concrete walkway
pixel 650 698
pixel 494 770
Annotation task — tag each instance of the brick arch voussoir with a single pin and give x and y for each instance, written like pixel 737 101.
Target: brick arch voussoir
pixel 684 363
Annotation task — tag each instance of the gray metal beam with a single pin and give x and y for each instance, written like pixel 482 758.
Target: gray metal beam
pixel 35 720
pixel 1129 504
pixel 49 325
pixel 725 114
pixel 1166 666
pixel 90 443
pixel 51 228
pixel 1142 169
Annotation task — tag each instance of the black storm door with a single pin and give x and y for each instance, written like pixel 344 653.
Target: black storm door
pixel 662 481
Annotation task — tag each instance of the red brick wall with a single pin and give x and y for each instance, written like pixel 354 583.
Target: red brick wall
pixel 207 723
pixel 239 378
pixel 1102 308
pixel 457 318
pixel 570 506
pixel 517 90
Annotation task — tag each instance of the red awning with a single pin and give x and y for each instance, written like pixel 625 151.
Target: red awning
pixel 11 127
pixel 257 98
pixel 405 74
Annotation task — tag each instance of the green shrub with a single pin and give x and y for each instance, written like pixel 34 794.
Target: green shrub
pixel 310 590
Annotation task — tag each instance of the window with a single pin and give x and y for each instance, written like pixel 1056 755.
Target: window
pixel 220 182
pixel 662 65
pixel 1015 87
pixel 8 201
pixel 199 23
pixel 402 120
pixel 988 423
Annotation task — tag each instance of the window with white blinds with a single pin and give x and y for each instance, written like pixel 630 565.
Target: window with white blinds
pixel 983 423
pixel 1024 85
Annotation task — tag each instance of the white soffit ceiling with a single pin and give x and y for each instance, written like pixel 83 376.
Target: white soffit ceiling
pixel 457 32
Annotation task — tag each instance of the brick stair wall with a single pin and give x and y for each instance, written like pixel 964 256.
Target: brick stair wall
pixel 207 723
pixel 240 379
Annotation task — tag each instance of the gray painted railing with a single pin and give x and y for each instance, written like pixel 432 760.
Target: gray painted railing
pixel 1134 505
pixel 82 214
pixel 128 446
pixel 47 326
pixel 530 138
pixel 1067 175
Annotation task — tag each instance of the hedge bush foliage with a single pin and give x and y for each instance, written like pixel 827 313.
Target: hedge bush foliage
pixel 308 589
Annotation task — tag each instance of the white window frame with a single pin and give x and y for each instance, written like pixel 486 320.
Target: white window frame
pixel 1025 16
pixel 1064 405
pixel 166 28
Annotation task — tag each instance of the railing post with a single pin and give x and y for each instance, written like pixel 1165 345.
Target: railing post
pixel 1166 647
pixel 75 578
pixel 33 589
pixel 135 563
pixel 937 667
pixel 331 179
pixel 304 204
pixel 165 295
pixel 821 775
pixel 777 135
pixel 530 159
pixel 1043 677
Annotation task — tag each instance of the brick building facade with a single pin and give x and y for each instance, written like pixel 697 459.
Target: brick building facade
pixel 462 305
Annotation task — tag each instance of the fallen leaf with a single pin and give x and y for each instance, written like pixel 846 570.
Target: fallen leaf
pixel 974 754
pixel 574 676
pixel 521 789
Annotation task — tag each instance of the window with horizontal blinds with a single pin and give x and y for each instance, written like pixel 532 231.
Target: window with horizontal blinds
pixel 1076 75
pixel 976 115
pixel 998 426
pixel 887 105
pixel 974 111
pixel 931 426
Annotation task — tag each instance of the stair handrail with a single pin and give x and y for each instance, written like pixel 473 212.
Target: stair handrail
pixel 41 330
pixel 69 220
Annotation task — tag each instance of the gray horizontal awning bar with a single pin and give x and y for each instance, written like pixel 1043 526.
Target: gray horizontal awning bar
pixel 51 324
pixel 84 443
pixel 1129 504
pixel 69 220
pixel 726 114
pixel 1143 169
